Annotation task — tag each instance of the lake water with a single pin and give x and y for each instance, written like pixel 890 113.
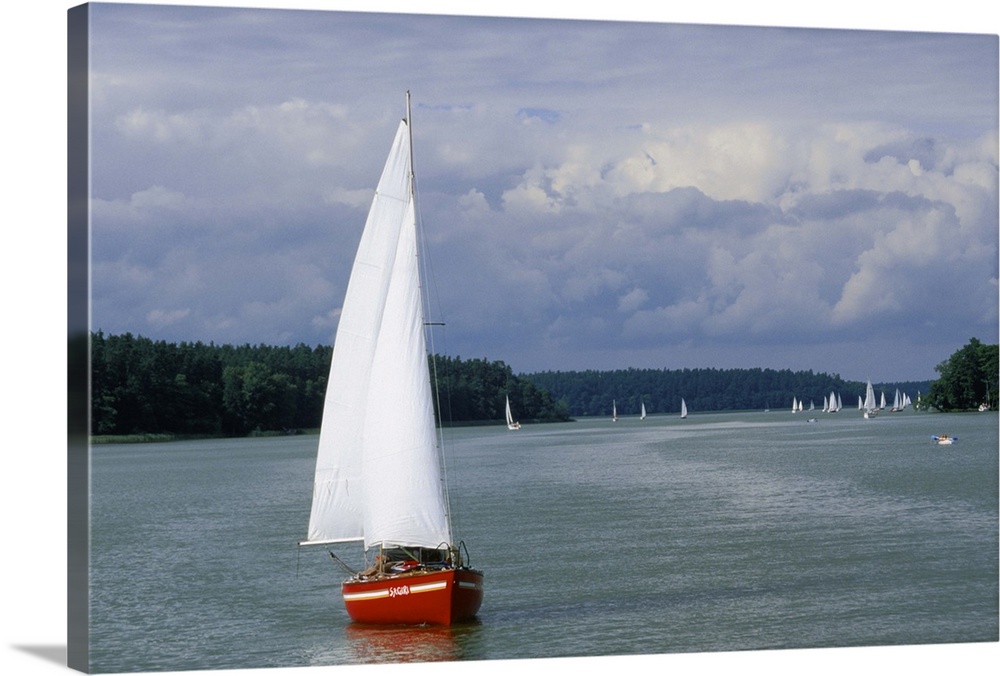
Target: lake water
pixel 720 532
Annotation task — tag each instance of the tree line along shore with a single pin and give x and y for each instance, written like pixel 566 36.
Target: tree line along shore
pixel 144 389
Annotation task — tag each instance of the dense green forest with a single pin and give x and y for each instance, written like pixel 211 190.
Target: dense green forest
pixel 141 386
pixel 968 379
pixel 592 392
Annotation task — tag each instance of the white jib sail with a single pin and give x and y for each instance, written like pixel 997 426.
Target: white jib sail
pixel 380 480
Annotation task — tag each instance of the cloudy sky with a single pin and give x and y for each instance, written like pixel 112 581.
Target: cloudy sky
pixel 593 193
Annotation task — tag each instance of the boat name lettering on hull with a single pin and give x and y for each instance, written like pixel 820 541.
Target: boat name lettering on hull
pixel 398 591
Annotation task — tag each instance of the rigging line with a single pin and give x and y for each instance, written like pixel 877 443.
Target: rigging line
pixel 341 563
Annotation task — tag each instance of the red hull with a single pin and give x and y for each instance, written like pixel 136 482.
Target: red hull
pixel 440 597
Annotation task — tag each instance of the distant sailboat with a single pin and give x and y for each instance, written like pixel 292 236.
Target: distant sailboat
pixel 381 482
pixel 511 423
pixel 614 411
pixel 642 411
pixel 684 408
pixel 897 403
pixel 871 406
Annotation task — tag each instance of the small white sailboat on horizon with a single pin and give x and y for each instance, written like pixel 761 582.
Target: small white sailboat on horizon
pixel 684 408
pixel 898 402
pixel 870 406
pixel 511 423
pixel 642 411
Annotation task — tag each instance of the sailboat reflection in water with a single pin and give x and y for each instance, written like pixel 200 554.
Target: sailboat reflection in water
pixel 378 482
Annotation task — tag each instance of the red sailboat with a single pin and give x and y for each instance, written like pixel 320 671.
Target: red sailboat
pixel 379 476
pixel 424 596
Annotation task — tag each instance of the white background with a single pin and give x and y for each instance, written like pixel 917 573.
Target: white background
pixel 33 260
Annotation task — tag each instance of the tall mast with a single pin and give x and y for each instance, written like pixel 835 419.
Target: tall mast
pixel 409 128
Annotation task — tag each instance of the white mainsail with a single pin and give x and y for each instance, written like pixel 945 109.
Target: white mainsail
pixel 374 481
pixel 684 408
pixel 642 411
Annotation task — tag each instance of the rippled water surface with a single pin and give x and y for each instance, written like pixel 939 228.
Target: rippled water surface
pixel 718 532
